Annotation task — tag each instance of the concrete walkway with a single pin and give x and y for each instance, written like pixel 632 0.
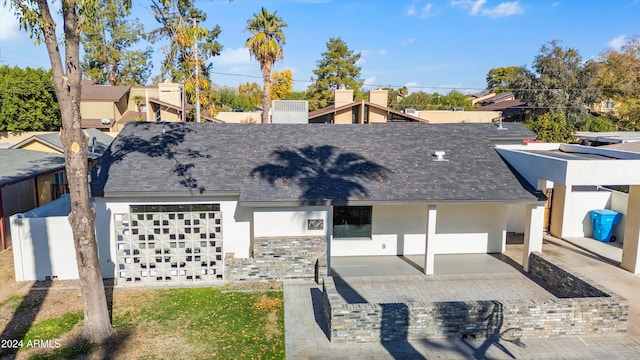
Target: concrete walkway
pixel 306 333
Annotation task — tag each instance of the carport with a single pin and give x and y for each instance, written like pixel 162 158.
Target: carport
pixel 579 176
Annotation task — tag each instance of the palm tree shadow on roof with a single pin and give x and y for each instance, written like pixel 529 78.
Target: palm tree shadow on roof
pixel 165 144
pixel 323 173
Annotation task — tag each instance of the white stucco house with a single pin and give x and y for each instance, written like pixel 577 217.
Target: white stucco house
pixel 185 202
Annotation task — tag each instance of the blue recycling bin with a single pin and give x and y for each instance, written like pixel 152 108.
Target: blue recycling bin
pixel 603 221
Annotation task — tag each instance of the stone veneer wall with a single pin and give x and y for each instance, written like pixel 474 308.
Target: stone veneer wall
pixel 561 282
pixel 604 313
pixel 280 258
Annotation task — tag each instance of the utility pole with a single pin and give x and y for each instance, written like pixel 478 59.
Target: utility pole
pixel 195 44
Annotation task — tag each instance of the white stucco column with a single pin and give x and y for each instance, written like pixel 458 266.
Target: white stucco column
pixel 429 253
pixel 533 227
pixel 561 193
pixel 630 247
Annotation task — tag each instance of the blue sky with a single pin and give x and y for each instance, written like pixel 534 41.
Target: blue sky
pixel 425 45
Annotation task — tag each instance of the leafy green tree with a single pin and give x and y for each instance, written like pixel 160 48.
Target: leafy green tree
pixel 559 81
pixel 298 95
pixel 418 100
pixel 499 79
pixel 107 42
pixel 27 100
pixel 336 69
pixel 455 99
pixel 597 124
pixel 228 100
pixel 252 91
pixel 282 84
pixel 176 19
pixel 552 127
pixel 423 101
pixel 265 44
pixel 35 16
pixel 619 78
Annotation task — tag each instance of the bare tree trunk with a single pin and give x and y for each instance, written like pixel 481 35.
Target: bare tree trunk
pixel 266 96
pixel 97 325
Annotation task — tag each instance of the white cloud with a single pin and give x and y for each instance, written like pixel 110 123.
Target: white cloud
pixel 361 61
pixel 412 86
pixel 231 57
pixel 236 61
pixel 365 52
pixel 370 80
pixel 617 42
pixel 426 10
pixel 408 41
pixel 382 52
pixel 9 27
pixel 411 11
pixel 555 4
pixel 473 5
pixel 504 10
pixel 476 7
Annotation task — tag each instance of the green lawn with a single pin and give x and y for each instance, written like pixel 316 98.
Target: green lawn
pixel 196 323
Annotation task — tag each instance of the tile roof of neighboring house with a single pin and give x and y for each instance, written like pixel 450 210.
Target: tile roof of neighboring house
pixel 507 104
pixel 482 93
pixel 18 164
pixel 91 91
pixel 292 164
pixel 505 96
pixel 53 141
pixel 96 124
pixel 332 109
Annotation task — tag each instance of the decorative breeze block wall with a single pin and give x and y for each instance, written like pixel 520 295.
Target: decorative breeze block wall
pixel 176 244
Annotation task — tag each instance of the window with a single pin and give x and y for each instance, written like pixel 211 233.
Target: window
pixel 352 222
pixel 608 105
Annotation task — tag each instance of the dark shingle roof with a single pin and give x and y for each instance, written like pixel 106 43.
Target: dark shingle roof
pixel 309 163
pixel 18 164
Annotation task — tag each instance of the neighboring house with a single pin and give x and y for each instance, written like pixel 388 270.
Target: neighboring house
pixel 103 106
pixel 51 142
pixel 481 96
pixel 269 202
pixel 239 117
pixel 34 174
pixel 28 179
pixel 456 116
pixel 109 108
pixel 510 108
pixel 347 111
pixel 607 106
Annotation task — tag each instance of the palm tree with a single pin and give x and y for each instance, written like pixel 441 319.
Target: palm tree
pixel 265 44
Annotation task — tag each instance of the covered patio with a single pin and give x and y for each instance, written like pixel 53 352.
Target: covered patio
pixel 388 298
pixel 457 277
pixel 580 177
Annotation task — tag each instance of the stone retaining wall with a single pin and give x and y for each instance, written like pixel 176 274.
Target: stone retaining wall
pixel 280 258
pixel 561 282
pixel 599 313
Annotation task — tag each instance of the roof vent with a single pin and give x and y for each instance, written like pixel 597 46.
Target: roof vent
pixel 439 154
